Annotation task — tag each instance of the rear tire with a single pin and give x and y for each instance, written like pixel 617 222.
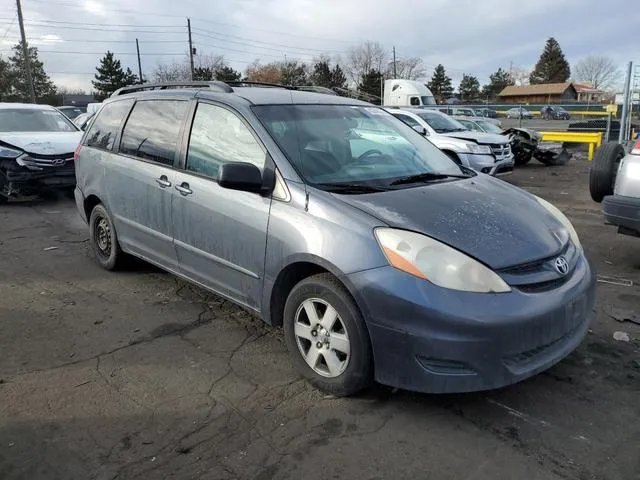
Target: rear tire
pixel 326 336
pixel 104 241
pixel 604 169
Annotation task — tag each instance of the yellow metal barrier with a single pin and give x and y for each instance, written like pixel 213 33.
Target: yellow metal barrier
pixel 594 139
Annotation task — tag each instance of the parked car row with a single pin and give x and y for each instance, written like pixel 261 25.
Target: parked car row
pixel 383 257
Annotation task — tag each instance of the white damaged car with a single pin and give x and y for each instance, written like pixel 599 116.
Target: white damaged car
pixel 484 152
pixel 37 145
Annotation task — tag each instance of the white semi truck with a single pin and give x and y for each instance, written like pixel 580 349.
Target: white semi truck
pixel 407 93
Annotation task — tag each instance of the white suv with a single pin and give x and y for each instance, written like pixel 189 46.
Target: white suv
pixel 485 152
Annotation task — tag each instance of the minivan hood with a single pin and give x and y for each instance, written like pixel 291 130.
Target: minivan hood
pixel 488 219
pixel 43 143
pixel 478 137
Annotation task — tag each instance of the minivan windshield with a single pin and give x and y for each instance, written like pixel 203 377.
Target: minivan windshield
pixel 34 120
pixel 441 123
pixel 353 145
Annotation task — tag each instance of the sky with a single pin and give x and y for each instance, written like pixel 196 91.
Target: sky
pixel 466 36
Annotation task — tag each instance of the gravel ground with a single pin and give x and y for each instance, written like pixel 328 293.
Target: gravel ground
pixel 140 375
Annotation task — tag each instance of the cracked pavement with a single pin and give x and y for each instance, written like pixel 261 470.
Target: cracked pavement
pixel 138 374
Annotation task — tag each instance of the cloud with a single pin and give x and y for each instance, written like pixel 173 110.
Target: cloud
pixel 466 36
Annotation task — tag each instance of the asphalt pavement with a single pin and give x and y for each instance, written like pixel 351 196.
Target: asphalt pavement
pixel 137 374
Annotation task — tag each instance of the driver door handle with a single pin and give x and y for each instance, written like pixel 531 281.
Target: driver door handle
pixel 184 189
pixel 163 181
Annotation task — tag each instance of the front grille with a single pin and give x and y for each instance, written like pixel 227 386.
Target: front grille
pixel 500 150
pixel 46 161
pixel 543 286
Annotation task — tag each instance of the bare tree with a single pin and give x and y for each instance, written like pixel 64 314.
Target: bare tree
pixel 270 73
pixel 362 59
pixel 520 76
pixel 173 72
pixel 213 62
pixel 411 68
pixel 598 71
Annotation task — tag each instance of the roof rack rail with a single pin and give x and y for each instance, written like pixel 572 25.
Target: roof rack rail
pixel 306 88
pixel 243 83
pixel 220 86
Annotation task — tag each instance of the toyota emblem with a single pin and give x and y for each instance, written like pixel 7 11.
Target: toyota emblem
pixel 562 266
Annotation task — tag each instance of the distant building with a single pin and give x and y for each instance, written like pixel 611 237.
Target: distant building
pixel 586 93
pixel 73 100
pixel 541 93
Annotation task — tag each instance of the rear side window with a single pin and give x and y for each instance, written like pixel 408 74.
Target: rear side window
pixel 104 129
pixel 152 130
pixel 414 101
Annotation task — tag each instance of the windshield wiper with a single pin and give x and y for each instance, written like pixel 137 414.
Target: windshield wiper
pixel 420 177
pixel 350 188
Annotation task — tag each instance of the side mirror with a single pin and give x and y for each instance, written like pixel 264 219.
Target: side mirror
pixel 240 176
pixel 420 129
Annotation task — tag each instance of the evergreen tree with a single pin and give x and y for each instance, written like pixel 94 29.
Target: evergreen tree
pixel 44 88
pixel 322 74
pixel 227 74
pixel 552 67
pixel 338 78
pixel 497 82
pixel 111 76
pixel 202 74
pixel 440 84
pixel 5 80
pixel 469 88
pixel 293 73
pixel 371 83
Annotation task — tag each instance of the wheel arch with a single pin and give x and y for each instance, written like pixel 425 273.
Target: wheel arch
pixel 294 271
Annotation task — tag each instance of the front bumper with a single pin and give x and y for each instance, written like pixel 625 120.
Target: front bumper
pixel 622 211
pixel 435 340
pixel 487 163
pixel 20 180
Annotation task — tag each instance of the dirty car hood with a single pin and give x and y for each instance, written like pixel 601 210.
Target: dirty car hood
pixel 479 137
pixel 43 143
pixel 488 219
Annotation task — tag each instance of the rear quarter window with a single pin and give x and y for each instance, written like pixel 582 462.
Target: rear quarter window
pixel 152 130
pixel 105 127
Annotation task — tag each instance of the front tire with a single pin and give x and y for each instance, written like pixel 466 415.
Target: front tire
pixel 103 238
pixel 327 337
pixel 604 169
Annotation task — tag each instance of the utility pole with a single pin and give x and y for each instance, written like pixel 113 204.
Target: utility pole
pixel 25 55
pixel 625 106
pixel 190 47
pixel 139 64
pixel 395 73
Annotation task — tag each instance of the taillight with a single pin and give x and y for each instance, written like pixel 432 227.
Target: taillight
pixel 77 152
pixel 636 148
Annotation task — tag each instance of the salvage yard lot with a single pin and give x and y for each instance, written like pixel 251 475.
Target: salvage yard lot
pixel 140 375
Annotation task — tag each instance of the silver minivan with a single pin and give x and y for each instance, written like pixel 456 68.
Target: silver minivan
pixel 381 257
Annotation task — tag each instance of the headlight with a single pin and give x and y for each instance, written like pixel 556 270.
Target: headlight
pixel 6 152
pixel 475 148
pixel 562 219
pixel 436 262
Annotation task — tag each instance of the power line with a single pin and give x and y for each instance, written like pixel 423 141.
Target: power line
pixel 169 15
pixel 158 54
pixel 58 27
pixel 225 37
pixel 13 21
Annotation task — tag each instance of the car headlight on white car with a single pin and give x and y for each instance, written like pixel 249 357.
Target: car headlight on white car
pixel 6 152
pixel 474 148
pixel 437 263
pixel 553 210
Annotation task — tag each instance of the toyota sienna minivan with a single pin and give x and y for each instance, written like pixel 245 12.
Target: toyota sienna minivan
pixel 381 258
